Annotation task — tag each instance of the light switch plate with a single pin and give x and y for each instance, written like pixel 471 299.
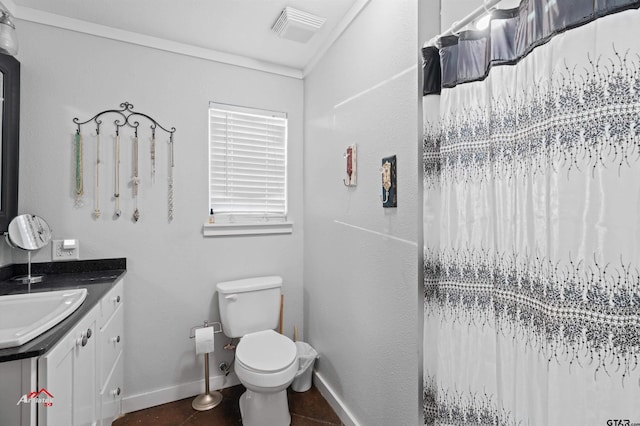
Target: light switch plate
pixel 58 253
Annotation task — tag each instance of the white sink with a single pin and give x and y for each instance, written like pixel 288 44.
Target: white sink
pixel 26 316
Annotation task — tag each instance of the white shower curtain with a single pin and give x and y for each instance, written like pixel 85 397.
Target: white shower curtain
pixel 532 232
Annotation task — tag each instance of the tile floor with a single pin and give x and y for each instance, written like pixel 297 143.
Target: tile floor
pixel 307 409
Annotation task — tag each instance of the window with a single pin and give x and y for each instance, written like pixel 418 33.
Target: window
pixel 247 164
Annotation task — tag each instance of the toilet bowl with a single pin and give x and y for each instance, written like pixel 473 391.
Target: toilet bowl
pixel 266 364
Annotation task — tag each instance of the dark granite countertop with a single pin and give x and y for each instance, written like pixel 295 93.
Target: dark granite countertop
pixel 97 276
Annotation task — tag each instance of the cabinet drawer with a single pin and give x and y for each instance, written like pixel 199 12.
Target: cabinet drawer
pixel 111 396
pixel 111 343
pixel 110 303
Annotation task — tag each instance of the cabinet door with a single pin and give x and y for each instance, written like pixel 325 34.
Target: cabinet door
pixel 84 378
pixel 67 373
pixel 55 375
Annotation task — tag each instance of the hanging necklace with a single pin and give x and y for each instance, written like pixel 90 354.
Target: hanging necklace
pixel 153 154
pixel 96 211
pixel 171 166
pixel 135 182
pixel 79 180
pixel 116 192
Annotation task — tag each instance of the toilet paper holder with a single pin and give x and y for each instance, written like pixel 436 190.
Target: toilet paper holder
pixel 208 399
pixel 192 332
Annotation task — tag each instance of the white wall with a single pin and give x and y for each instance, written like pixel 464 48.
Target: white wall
pixel 172 269
pixel 361 260
pixel 452 11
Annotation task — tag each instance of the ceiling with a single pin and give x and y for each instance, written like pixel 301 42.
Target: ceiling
pixel 234 28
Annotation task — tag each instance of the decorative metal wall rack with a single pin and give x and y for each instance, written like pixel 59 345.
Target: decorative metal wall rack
pixel 125 116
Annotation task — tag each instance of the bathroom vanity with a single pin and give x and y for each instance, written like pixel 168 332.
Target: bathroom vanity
pixel 71 374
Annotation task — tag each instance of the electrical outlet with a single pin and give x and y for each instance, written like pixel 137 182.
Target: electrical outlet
pixel 59 252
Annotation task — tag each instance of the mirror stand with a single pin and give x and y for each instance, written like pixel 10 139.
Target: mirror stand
pixel 29 279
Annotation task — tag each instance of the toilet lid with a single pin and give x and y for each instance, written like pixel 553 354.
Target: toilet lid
pixel 266 351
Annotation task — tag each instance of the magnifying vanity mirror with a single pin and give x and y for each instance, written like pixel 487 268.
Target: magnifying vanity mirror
pixel 30 233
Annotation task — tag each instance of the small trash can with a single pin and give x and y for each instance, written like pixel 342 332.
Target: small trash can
pixel 306 358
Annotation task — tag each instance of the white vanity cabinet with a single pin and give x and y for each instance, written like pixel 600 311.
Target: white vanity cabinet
pixel 83 371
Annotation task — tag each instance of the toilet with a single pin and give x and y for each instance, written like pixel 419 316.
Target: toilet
pixel 266 362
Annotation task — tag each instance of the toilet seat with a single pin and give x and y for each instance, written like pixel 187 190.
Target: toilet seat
pixel 266 352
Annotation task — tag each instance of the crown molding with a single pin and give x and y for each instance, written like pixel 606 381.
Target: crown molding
pixel 84 27
pixel 59 21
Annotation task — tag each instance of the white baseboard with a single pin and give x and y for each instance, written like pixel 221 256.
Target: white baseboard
pixel 334 401
pixel 174 393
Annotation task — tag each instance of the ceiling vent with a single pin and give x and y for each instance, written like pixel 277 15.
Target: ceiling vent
pixel 296 25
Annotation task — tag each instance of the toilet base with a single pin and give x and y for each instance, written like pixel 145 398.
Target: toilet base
pixel 259 409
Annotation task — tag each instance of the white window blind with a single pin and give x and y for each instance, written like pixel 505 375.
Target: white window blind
pixel 247 162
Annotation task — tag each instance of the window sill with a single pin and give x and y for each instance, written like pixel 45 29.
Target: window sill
pixel 231 229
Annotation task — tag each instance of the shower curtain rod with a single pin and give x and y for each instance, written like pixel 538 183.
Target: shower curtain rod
pixel 458 25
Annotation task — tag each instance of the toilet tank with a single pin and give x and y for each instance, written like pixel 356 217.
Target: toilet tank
pixel 249 305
